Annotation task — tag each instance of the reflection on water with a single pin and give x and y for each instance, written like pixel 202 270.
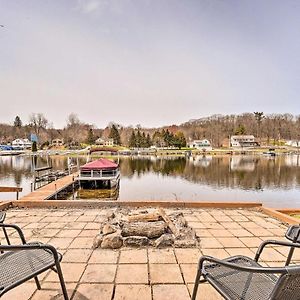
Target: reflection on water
pixel 272 180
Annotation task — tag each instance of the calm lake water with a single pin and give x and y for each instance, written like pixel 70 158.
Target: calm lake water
pixel 273 181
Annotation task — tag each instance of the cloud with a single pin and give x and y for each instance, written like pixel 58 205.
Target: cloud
pixel 89 6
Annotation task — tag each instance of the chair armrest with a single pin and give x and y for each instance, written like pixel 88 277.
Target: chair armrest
pixel 269 270
pixel 25 247
pixel 17 228
pixel 274 242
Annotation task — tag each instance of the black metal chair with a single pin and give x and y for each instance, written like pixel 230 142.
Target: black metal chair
pixel 19 263
pixel 2 219
pixel 243 278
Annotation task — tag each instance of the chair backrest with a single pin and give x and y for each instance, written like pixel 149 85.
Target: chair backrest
pixel 293 233
pixel 287 287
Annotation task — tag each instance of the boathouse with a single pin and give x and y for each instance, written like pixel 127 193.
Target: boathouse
pixel 101 173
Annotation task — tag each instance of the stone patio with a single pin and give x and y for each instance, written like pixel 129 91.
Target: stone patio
pixel 135 274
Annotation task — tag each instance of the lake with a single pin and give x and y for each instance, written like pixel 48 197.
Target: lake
pixel 274 181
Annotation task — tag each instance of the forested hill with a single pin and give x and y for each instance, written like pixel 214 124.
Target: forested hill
pixel 216 128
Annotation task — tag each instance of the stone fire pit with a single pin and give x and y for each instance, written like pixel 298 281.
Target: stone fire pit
pixel 144 228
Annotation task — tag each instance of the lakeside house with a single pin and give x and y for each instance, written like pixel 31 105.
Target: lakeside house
pixel 21 144
pixel 241 141
pixel 293 143
pixel 57 143
pixel 203 145
pixel 105 142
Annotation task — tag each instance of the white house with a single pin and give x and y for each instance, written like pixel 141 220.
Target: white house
pixel 203 145
pixel 293 143
pixel 105 142
pixel 20 144
pixel 240 141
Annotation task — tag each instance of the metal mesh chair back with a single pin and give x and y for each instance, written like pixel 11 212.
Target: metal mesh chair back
pixel 293 233
pixel 287 287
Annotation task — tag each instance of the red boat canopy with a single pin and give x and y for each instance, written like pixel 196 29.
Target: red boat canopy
pixel 100 164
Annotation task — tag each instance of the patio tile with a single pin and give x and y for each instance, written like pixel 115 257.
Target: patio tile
pixel 232 225
pixel 203 232
pixel 240 251
pixel 76 225
pixel 205 292
pixel 82 242
pixel 170 291
pixel 99 273
pixel 85 218
pixel 92 225
pixel 222 218
pixel 231 242
pixel 71 272
pixel 220 233
pixel 103 256
pixel 270 254
pixel 189 272
pixel 47 232
pixel 61 243
pixel 197 225
pixel 133 273
pixel 210 243
pixel 94 291
pixel 136 256
pixel 187 255
pixel 218 253
pixel 132 292
pixel 68 233
pixel 240 232
pixel 77 255
pixel 164 256
pixel 165 273
pixel 88 233
pixel 251 241
pixel 23 291
pixel 52 290
pixel 260 232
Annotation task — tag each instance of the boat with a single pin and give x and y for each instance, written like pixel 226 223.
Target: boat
pixel 271 152
pixel 98 174
pixel 6 150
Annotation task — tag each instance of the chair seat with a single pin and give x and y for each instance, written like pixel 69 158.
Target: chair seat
pixel 2 216
pixel 19 265
pixel 239 285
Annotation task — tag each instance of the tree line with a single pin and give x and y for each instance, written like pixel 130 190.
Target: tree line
pixel 267 128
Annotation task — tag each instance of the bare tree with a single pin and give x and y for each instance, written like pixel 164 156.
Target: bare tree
pixel 38 122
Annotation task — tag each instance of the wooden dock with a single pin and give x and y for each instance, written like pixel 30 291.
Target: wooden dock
pixel 49 189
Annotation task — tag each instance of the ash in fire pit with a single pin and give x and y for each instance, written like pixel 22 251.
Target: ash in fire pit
pixel 140 228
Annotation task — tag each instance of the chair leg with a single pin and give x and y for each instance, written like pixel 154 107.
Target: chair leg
pixel 37 283
pixel 61 279
pixel 6 236
pixel 197 280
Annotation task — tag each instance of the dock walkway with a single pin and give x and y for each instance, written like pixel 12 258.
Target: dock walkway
pixel 49 189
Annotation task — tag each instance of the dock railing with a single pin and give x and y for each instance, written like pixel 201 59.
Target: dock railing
pixel 9 189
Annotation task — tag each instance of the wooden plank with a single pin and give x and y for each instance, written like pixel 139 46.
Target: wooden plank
pixel 144 217
pixel 8 189
pixel 168 221
pixel 42 169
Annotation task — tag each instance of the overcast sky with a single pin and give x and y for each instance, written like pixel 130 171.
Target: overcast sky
pixel 148 62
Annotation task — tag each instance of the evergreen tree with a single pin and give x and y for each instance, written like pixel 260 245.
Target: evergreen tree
pixel 180 139
pixel 132 140
pixel 148 141
pixel 144 141
pixel 240 130
pixel 138 139
pixel 115 135
pixel 90 137
pixel 17 122
pixel 34 147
